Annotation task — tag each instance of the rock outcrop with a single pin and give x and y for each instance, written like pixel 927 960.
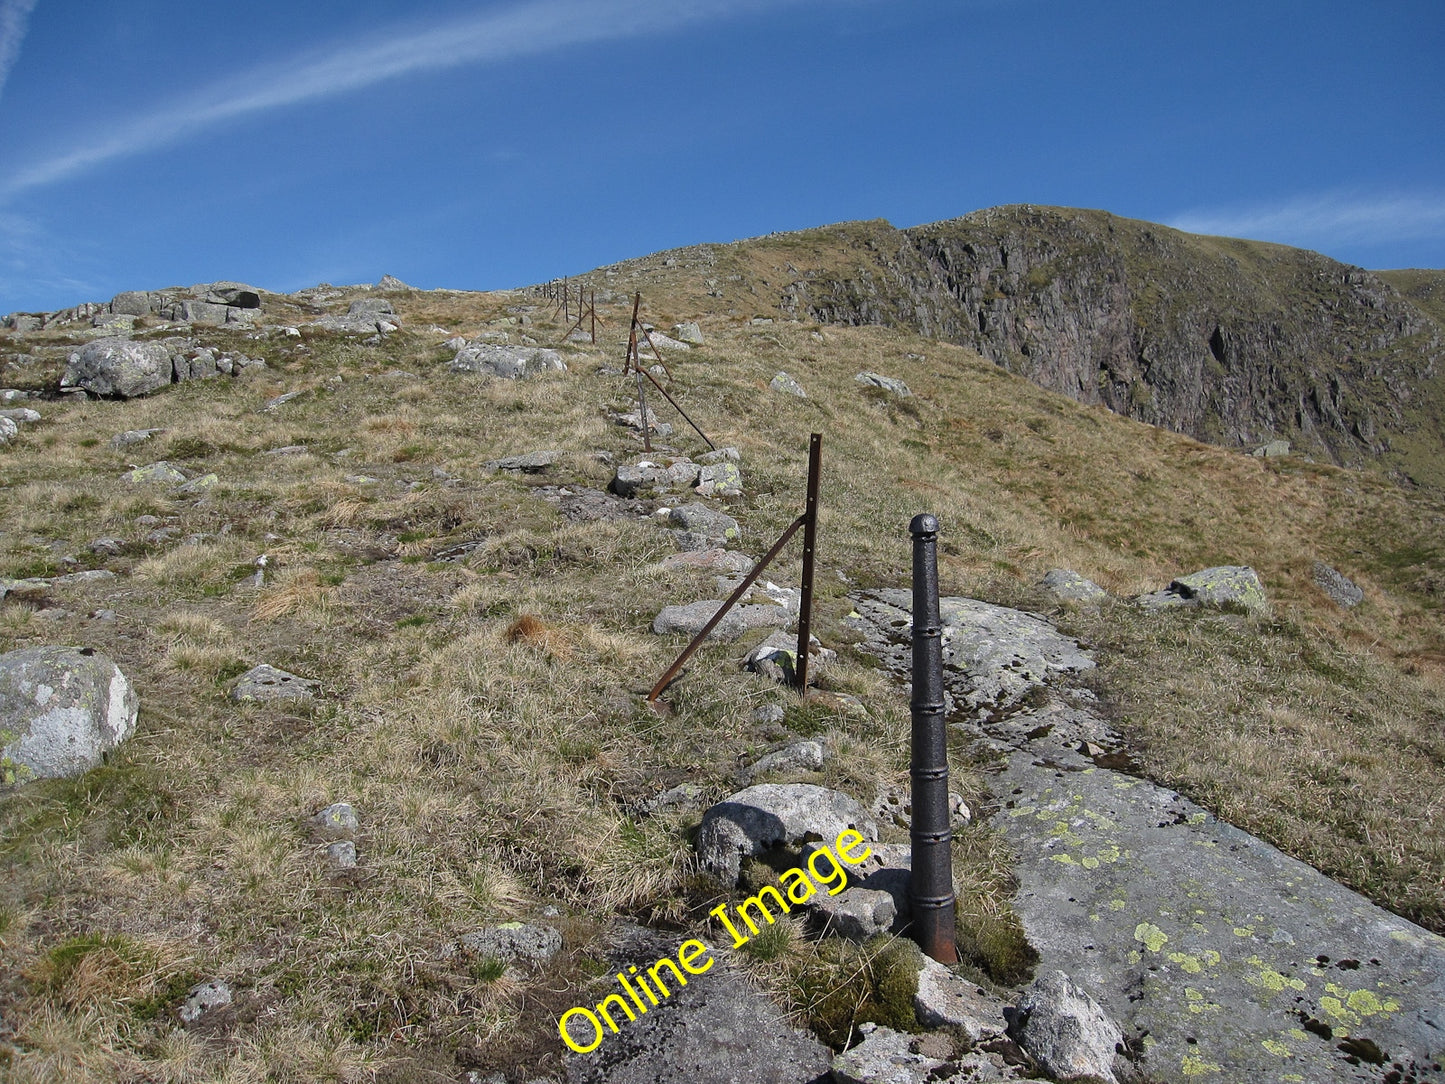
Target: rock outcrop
pixel 1233 342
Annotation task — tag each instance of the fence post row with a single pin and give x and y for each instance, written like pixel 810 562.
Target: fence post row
pixel 930 887
pixel 809 520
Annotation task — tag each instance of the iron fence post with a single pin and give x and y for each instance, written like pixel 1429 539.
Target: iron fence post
pixel 810 536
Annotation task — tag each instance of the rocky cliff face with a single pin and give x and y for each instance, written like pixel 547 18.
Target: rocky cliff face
pixel 1232 342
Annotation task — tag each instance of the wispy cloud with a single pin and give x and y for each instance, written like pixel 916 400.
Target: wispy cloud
pixel 1331 218
pixel 526 29
pixel 14 16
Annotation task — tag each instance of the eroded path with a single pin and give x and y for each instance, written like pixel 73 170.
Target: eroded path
pixel 1227 959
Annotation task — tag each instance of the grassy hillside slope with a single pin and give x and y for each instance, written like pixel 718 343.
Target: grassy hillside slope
pixel 483 712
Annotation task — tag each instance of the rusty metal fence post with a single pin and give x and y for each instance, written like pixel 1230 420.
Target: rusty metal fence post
pixel 810 539
pixel 931 885
pixel 807 520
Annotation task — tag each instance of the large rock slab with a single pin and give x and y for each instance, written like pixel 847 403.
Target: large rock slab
pixel 770 815
pixel 717 1029
pixel 997 654
pixel 1239 962
pixel 507 362
pixel 118 367
pixel 61 710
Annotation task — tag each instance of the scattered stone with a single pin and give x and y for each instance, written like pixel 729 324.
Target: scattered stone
pixel 105 615
pixel 840 703
pixel 1065 1030
pixel 61 710
pixel 714 560
pixel 1069 586
pixel 108 547
pixel 28 590
pixel 202 998
pixel 856 913
pixel 455 343
pixel 133 436
pixel 777 656
pixel 339 818
pixel 785 383
pixel 886 1056
pixel 266 683
pixel 290 449
pixel 887 383
pixel 1272 450
pixel 691 618
pixel 948 1000
pixel 700 527
pixel 1226 585
pixel 342 854
pixel 682 796
pixel 718 455
pixel 688 333
pixel 645 476
pixel 20 415
pixel 665 342
pixel 769 815
pixel 530 463
pixel 8 430
pixel 803 756
pixel 379 306
pixel 511 941
pixel 118 367
pixel 282 400
pixel 391 282
pixel 198 484
pixel 507 362
pixel 1341 591
pixel 720 479
pixel 158 473
pixel 770 713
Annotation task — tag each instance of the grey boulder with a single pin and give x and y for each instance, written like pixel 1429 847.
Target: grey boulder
pixel 511 941
pixel 118 367
pixel 770 815
pixel 1064 1029
pixel 948 1000
pixel 887 383
pixel 507 362
pixel 265 683
pixel 785 383
pixel 1068 586
pixel 1341 591
pixel 700 527
pixel 61 710
pixel 1224 585
pixel 856 913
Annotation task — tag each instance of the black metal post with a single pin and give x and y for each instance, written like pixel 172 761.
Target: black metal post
pixel 810 536
pixel 931 886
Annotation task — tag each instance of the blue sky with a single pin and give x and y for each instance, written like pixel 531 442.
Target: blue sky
pixel 502 142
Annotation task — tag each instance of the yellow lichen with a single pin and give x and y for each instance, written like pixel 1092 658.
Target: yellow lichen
pixel 1194 1065
pixel 1151 935
pixel 1277 1048
pixel 1190 964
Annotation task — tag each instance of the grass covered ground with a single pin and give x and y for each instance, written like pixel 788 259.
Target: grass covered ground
pixel 484 713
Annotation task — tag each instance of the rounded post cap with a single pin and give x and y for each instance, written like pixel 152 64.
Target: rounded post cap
pixel 923 523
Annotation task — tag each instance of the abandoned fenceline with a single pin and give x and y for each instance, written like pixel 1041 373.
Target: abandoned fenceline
pixel 808 520
pixel 931 885
pixel 586 307
pixel 633 363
